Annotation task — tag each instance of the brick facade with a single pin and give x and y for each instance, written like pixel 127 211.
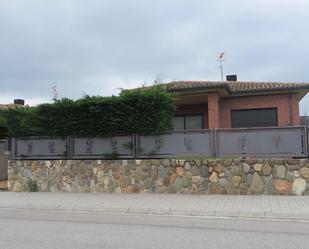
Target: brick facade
pixel 213 109
pixel 219 109
pixel 286 104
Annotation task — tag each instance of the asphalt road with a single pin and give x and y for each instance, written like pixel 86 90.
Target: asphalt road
pixel 23 229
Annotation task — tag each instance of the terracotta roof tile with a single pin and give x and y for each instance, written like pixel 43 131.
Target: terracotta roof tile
pixel 235 87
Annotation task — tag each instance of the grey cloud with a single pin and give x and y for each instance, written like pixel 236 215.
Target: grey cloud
pixel 96 46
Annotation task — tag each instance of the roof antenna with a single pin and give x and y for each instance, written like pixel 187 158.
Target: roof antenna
pixel 220 59
pixel 55 92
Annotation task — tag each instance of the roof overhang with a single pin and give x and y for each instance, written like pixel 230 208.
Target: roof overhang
pixel 197 96
pixel 225 92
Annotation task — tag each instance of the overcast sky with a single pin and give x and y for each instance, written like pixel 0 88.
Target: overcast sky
pixel 96 46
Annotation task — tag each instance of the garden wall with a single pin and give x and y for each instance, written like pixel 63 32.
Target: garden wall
pixel 228 176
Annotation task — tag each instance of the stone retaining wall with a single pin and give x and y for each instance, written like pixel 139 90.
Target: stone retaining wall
pixel 234 176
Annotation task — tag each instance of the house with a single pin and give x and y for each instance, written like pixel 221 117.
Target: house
pixel 17 103
pixel 235 104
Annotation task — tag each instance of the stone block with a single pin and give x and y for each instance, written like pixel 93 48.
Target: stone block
pixel 292 161
pixel 180 171
pixel 166 181
pixel 281 172
pixel 187 166
pixel 215 188
pixel 269 186
pixel 214 177
pixel 299 186
pixel 304 172
pixel 195 171
pixel 245 168
pixel 236 180
pixel 188 175
pixel 283 187
pixel 266 170
pixel 258 167
pixel 257 185
pixel 292 167
pixel 196 179
pixel 235 170
pixel 227 162
pixel 230 188
pixel 204 171
pixel 166 162
pixel 218 168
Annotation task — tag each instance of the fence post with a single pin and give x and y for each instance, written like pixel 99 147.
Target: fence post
pixel 306 135
pixel 214 135
pixel 69 140
pixel 13 148
pixel 134 145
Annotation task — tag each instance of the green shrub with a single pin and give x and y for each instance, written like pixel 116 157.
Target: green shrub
pixel 32 185
pixel 144 111
pixel 3 122
pixel 3 127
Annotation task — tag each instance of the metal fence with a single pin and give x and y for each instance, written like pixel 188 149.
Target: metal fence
pixel 275 142
pixel 176 143
pixel 256 142
pixel 118 146
pixel 40 148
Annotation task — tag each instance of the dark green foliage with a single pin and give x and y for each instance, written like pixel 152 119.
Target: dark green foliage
pixel 139 111
pixel 32 185
pixel 19 121
pixel 3 127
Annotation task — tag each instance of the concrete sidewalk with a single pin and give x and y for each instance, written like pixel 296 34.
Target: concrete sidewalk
pixel 269 207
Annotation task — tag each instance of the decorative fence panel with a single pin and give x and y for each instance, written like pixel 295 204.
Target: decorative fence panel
pixel 255 142
pixel 40 148
pixel 277 142
pixel 105 147
pixel 3 146
pixel 177 143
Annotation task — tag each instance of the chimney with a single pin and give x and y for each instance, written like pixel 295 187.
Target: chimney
pixel 231 77
pixel 19 101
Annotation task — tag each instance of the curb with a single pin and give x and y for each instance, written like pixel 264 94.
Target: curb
pixel 209 214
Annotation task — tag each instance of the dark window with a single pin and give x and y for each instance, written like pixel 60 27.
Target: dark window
pixel 254 118
pixel 179 123
pixel 188 122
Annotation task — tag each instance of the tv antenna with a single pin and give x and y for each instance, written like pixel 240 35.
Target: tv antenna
pixel 220 56
pixel 55 92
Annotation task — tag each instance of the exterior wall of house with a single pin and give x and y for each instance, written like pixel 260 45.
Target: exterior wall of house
pixel 213 110
pixel 219 116
pixel 295 98
pixel 286 104
pixel 194 109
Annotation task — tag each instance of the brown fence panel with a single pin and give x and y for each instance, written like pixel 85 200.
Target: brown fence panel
pixel 4 166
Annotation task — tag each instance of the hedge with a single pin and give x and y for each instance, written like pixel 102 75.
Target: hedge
pixel 143 111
